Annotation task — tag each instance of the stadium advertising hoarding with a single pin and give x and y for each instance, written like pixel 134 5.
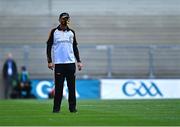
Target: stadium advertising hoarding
pixel 140 89
pixel 85 89
pixel 114 89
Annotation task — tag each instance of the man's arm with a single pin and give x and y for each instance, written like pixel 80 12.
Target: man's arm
pixel 48 49
pixel 75 48
pixel 76 53
pixel 49 46
pixel 4 70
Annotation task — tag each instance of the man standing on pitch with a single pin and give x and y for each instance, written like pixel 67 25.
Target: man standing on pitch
pixel 62 43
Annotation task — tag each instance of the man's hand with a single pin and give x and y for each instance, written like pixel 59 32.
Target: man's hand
pixel 79 65
pixel 51 66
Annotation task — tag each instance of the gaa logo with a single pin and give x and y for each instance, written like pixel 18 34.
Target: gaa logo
pixel 134 88
pixel 43 88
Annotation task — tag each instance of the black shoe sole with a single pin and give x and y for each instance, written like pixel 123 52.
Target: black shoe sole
pixel 55 112
pixel 73 111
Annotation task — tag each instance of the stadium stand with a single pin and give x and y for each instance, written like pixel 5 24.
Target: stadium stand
pixel 131 27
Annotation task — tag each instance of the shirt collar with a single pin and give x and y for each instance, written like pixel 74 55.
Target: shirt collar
pixel 59 28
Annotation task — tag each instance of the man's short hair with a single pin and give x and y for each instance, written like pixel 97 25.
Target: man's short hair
pixel 64 15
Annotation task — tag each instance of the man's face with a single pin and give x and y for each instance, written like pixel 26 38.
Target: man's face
pixel 64 20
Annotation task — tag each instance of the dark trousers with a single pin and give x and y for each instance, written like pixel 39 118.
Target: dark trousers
pixel 8 82
pixel 62 72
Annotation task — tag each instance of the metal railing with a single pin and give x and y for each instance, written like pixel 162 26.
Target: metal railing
pixel 104 61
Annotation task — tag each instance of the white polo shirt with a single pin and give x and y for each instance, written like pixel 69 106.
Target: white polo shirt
pixel 63 47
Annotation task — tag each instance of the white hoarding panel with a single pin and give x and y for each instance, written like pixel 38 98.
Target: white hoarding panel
pixel 140 89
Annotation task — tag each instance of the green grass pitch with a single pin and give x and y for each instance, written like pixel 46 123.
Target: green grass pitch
pixel 91 113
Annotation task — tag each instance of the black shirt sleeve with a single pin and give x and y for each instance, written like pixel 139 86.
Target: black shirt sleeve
pixel 49 46
pixel 75 48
